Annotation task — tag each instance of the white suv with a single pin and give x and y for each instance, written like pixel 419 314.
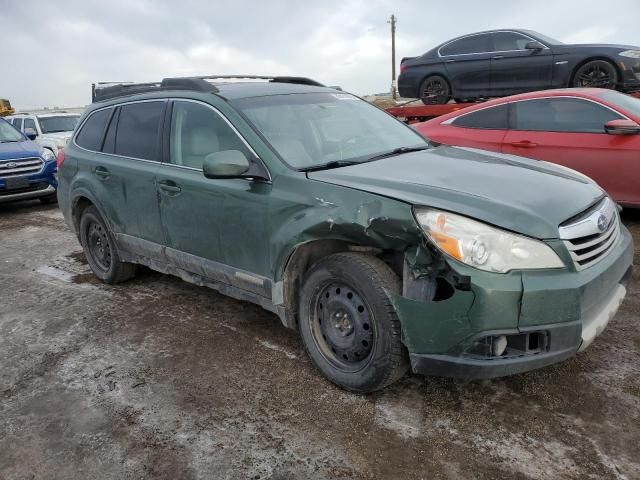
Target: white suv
pixel 52 130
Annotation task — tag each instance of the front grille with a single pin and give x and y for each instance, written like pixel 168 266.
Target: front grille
pixel 20 166
pixel 591 236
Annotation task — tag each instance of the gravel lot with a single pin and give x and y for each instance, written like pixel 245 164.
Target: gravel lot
pixel 156 378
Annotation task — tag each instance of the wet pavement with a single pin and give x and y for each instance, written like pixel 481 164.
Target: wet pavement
pixel 157 378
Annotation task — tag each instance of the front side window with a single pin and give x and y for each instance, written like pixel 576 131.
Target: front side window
pixel 63 123
pixel 492 118
pixel 138 130
pixel 312 129
pixel 561 115
pixel 9 134
pixel 506 41
pixel 30 123
pixel 625 102
pixel 92 132
pixel 198 131
pixel 468 45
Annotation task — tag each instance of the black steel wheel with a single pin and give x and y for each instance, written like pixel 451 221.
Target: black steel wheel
pixel 596 74
pixel 348 323
pixel 435 90
pixel 343 327
pixel 101 250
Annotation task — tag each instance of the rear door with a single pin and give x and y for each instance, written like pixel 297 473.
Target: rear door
pixel 468 64
pixel 220 224
pixel 120 158
pixel 570 131
pixel 514 69
pixel 484 129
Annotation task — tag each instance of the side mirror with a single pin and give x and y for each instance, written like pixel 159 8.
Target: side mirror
pixel 622 127
pixel 226 164
pixel 534 46
pixel 30 133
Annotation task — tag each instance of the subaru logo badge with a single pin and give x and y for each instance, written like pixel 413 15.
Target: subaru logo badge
pixel 602 223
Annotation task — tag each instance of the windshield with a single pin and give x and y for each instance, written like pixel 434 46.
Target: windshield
pixel 544 38
pixel 629 104
pixel 313 129
pixel 8 133
pixel 64 123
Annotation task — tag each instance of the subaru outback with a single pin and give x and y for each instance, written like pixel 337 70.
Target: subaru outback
pixel 384 252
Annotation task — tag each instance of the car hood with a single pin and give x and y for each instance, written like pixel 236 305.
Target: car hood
pixel 530 197
pixel 13 150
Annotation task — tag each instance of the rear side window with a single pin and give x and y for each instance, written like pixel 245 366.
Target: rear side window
pixel 92 132
pixel 467 45
pixel 561 115
pixel 138 130
pixel 494 118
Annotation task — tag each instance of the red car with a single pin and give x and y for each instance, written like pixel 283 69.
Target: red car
pixel 593 131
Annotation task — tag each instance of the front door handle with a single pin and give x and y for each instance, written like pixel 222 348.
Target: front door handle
pixel 169 186
pixel 101 172
pixel 497 57
pixel 451 60
pixel 524 144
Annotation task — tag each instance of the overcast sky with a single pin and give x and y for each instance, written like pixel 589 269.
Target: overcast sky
pixel 53 50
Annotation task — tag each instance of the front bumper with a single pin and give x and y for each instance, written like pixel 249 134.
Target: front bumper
pixel 567 309
pixel 41 184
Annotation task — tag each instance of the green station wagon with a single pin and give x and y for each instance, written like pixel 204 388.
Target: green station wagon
pixel 383 252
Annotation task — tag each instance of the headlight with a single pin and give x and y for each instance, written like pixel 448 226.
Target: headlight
pixel 47 155
pixel 630 53
pixel 482 246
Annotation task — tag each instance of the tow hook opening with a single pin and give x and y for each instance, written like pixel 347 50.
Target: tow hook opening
pixel 493 347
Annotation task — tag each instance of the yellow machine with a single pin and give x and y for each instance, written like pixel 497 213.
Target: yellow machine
pixel 5 108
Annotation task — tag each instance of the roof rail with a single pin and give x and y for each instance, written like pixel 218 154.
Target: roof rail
pixel 107 90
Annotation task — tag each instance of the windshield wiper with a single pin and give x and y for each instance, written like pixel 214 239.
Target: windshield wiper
pixel 329 165
pixel 396 151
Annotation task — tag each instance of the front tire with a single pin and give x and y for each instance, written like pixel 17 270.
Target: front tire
pixel 435 90
pixel 100 249
pixel 596 74
pixel 348 323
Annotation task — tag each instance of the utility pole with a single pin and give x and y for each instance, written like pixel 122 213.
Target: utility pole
pixel 394 91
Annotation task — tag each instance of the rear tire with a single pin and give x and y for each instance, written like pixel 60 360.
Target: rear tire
pixel 435 90
pixel 596 74
pixel 100 249
pixel 348 323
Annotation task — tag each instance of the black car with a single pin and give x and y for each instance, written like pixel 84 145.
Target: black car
pixel 505 62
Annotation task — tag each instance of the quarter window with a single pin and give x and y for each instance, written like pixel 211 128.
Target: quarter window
pixel 506 41
pixel 493 118
pixel 92 132
pixel 198 131
pixel 561 115
pixel 139 130
pixel 467 45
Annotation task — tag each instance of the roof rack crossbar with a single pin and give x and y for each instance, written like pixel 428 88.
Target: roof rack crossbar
pixel 107 90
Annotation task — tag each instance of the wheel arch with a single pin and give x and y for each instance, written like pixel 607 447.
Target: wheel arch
pixel 303 257
pixel 583 62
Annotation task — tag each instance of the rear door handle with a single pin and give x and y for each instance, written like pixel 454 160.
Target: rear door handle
pixel 101 172
pixel 169 186
pixel 524 144
pixel 497 57
pixel 451 60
